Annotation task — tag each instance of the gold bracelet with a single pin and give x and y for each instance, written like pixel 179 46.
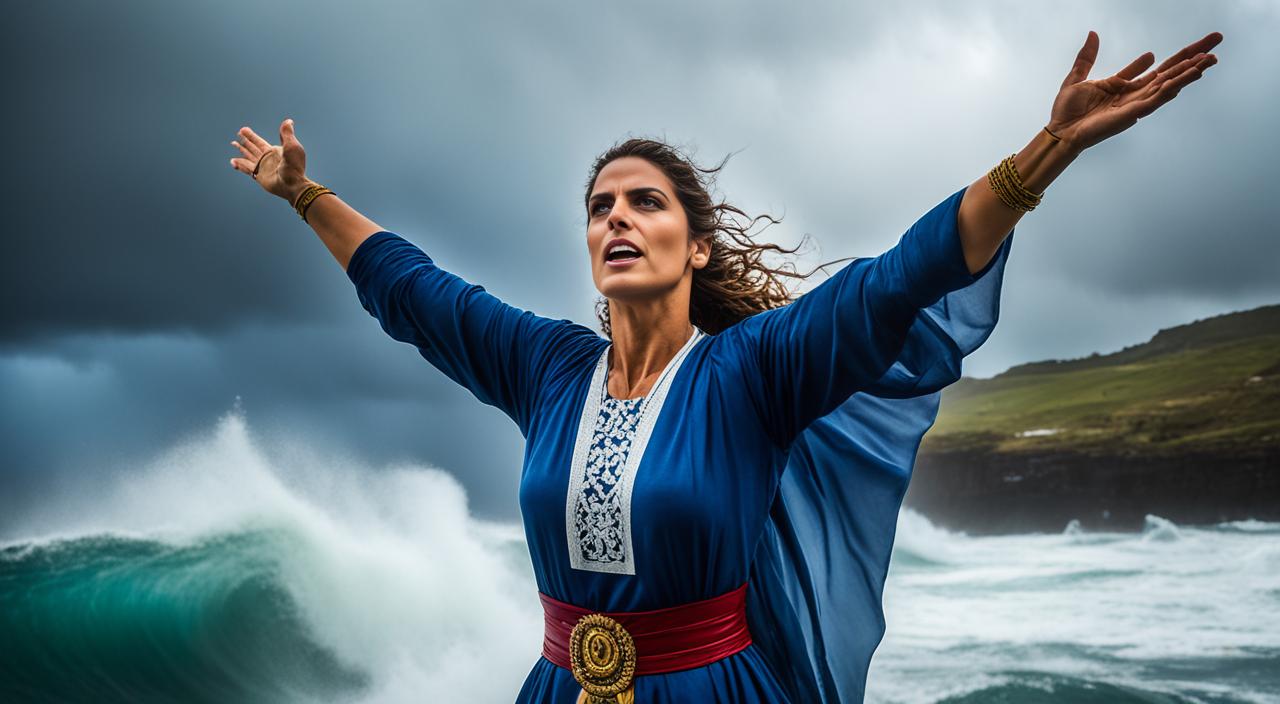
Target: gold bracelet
pixel 294 203
pixel 308 191
pixel 1007 185
pixel 307 197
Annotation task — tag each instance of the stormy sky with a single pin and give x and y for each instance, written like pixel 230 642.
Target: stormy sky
pixel 148 286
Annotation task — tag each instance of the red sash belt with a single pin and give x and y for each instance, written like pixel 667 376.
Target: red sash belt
pixel 676 638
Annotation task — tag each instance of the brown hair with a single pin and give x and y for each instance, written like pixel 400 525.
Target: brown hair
pixel 735 284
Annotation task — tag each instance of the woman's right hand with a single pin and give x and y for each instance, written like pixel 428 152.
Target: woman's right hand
pixel 280 168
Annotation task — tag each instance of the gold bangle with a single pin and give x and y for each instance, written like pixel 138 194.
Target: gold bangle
pixel 1024 196
pixel 303 214
pixel 1007 185
pixel 307 197
pixel 298 200
pixel 1008 191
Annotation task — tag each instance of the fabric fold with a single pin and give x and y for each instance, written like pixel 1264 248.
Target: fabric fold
pixel 815 589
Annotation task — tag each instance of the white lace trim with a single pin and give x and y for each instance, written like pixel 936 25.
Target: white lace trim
pixel 598 502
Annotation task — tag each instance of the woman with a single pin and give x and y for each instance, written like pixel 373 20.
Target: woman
pixel 709 494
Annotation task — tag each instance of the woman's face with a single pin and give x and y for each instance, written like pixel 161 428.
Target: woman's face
pixel 633 200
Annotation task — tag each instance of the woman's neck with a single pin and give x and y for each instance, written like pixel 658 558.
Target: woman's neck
pixel 645 338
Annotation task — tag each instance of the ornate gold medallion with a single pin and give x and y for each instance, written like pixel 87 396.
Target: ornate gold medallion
pixel 603 656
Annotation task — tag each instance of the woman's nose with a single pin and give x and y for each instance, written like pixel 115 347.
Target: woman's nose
pixel 618 217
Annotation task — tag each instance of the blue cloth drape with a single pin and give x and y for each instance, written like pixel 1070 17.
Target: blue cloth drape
pixel 815 594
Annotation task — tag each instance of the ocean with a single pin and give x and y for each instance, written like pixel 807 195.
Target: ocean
pixel 221 572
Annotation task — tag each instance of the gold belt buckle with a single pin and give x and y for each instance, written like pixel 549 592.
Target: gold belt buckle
pixel 603 655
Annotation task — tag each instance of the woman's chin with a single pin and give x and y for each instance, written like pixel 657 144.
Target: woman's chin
pixel 620 286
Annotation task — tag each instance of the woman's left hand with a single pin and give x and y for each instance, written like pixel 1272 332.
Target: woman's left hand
pixel 1087 112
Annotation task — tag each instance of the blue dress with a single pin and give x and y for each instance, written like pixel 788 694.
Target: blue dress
pixel 776 452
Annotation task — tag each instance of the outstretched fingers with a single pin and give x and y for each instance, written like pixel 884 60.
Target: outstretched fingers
pixel 1137 66
pixel 252 137
pixel 250 151
pixel 1202 46
pixel 1177 78
pixel 289 140
pixel 1189 52
pixel 1181 70
pixel 252 147
pixel 1122 81
pixel 243 165
pixel 1084 61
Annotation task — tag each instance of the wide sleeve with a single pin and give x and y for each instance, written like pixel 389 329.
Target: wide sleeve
pixel 500 353
pixel 817 580
pixel 802 360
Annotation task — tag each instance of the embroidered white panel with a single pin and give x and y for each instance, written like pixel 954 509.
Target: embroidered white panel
pixel 612 435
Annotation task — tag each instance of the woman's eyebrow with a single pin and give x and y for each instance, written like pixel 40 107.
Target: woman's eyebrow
pixel 633 192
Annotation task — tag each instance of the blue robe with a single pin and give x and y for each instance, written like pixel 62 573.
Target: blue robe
pixel 775 452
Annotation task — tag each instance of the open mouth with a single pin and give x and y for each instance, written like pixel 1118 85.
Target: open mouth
pixel 622 254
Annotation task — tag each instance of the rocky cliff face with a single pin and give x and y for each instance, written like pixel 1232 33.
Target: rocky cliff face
pixel 986 493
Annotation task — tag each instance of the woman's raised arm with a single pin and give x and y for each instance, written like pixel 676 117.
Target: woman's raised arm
pixel 281 171
pixel 499 352
pixel 799 362
pixel 1084 113
pixel 802 360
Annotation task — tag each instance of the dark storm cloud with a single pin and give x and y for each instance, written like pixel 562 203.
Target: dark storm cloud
pixel 147 284
pixel 409 111
pixel 412 112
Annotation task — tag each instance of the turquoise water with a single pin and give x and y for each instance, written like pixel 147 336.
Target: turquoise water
pixel 105 618
pixel 220 572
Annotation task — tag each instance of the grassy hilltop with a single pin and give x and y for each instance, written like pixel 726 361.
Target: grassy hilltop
pixel 1211 385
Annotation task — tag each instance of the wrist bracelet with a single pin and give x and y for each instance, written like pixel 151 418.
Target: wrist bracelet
pixel 307 197
pixel 1007 185
pixel 297 200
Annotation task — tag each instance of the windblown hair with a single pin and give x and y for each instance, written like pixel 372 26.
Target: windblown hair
pixel 735 284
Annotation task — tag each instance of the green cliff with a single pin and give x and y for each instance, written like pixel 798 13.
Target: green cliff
pixel 1187 423
pixel 1210 385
